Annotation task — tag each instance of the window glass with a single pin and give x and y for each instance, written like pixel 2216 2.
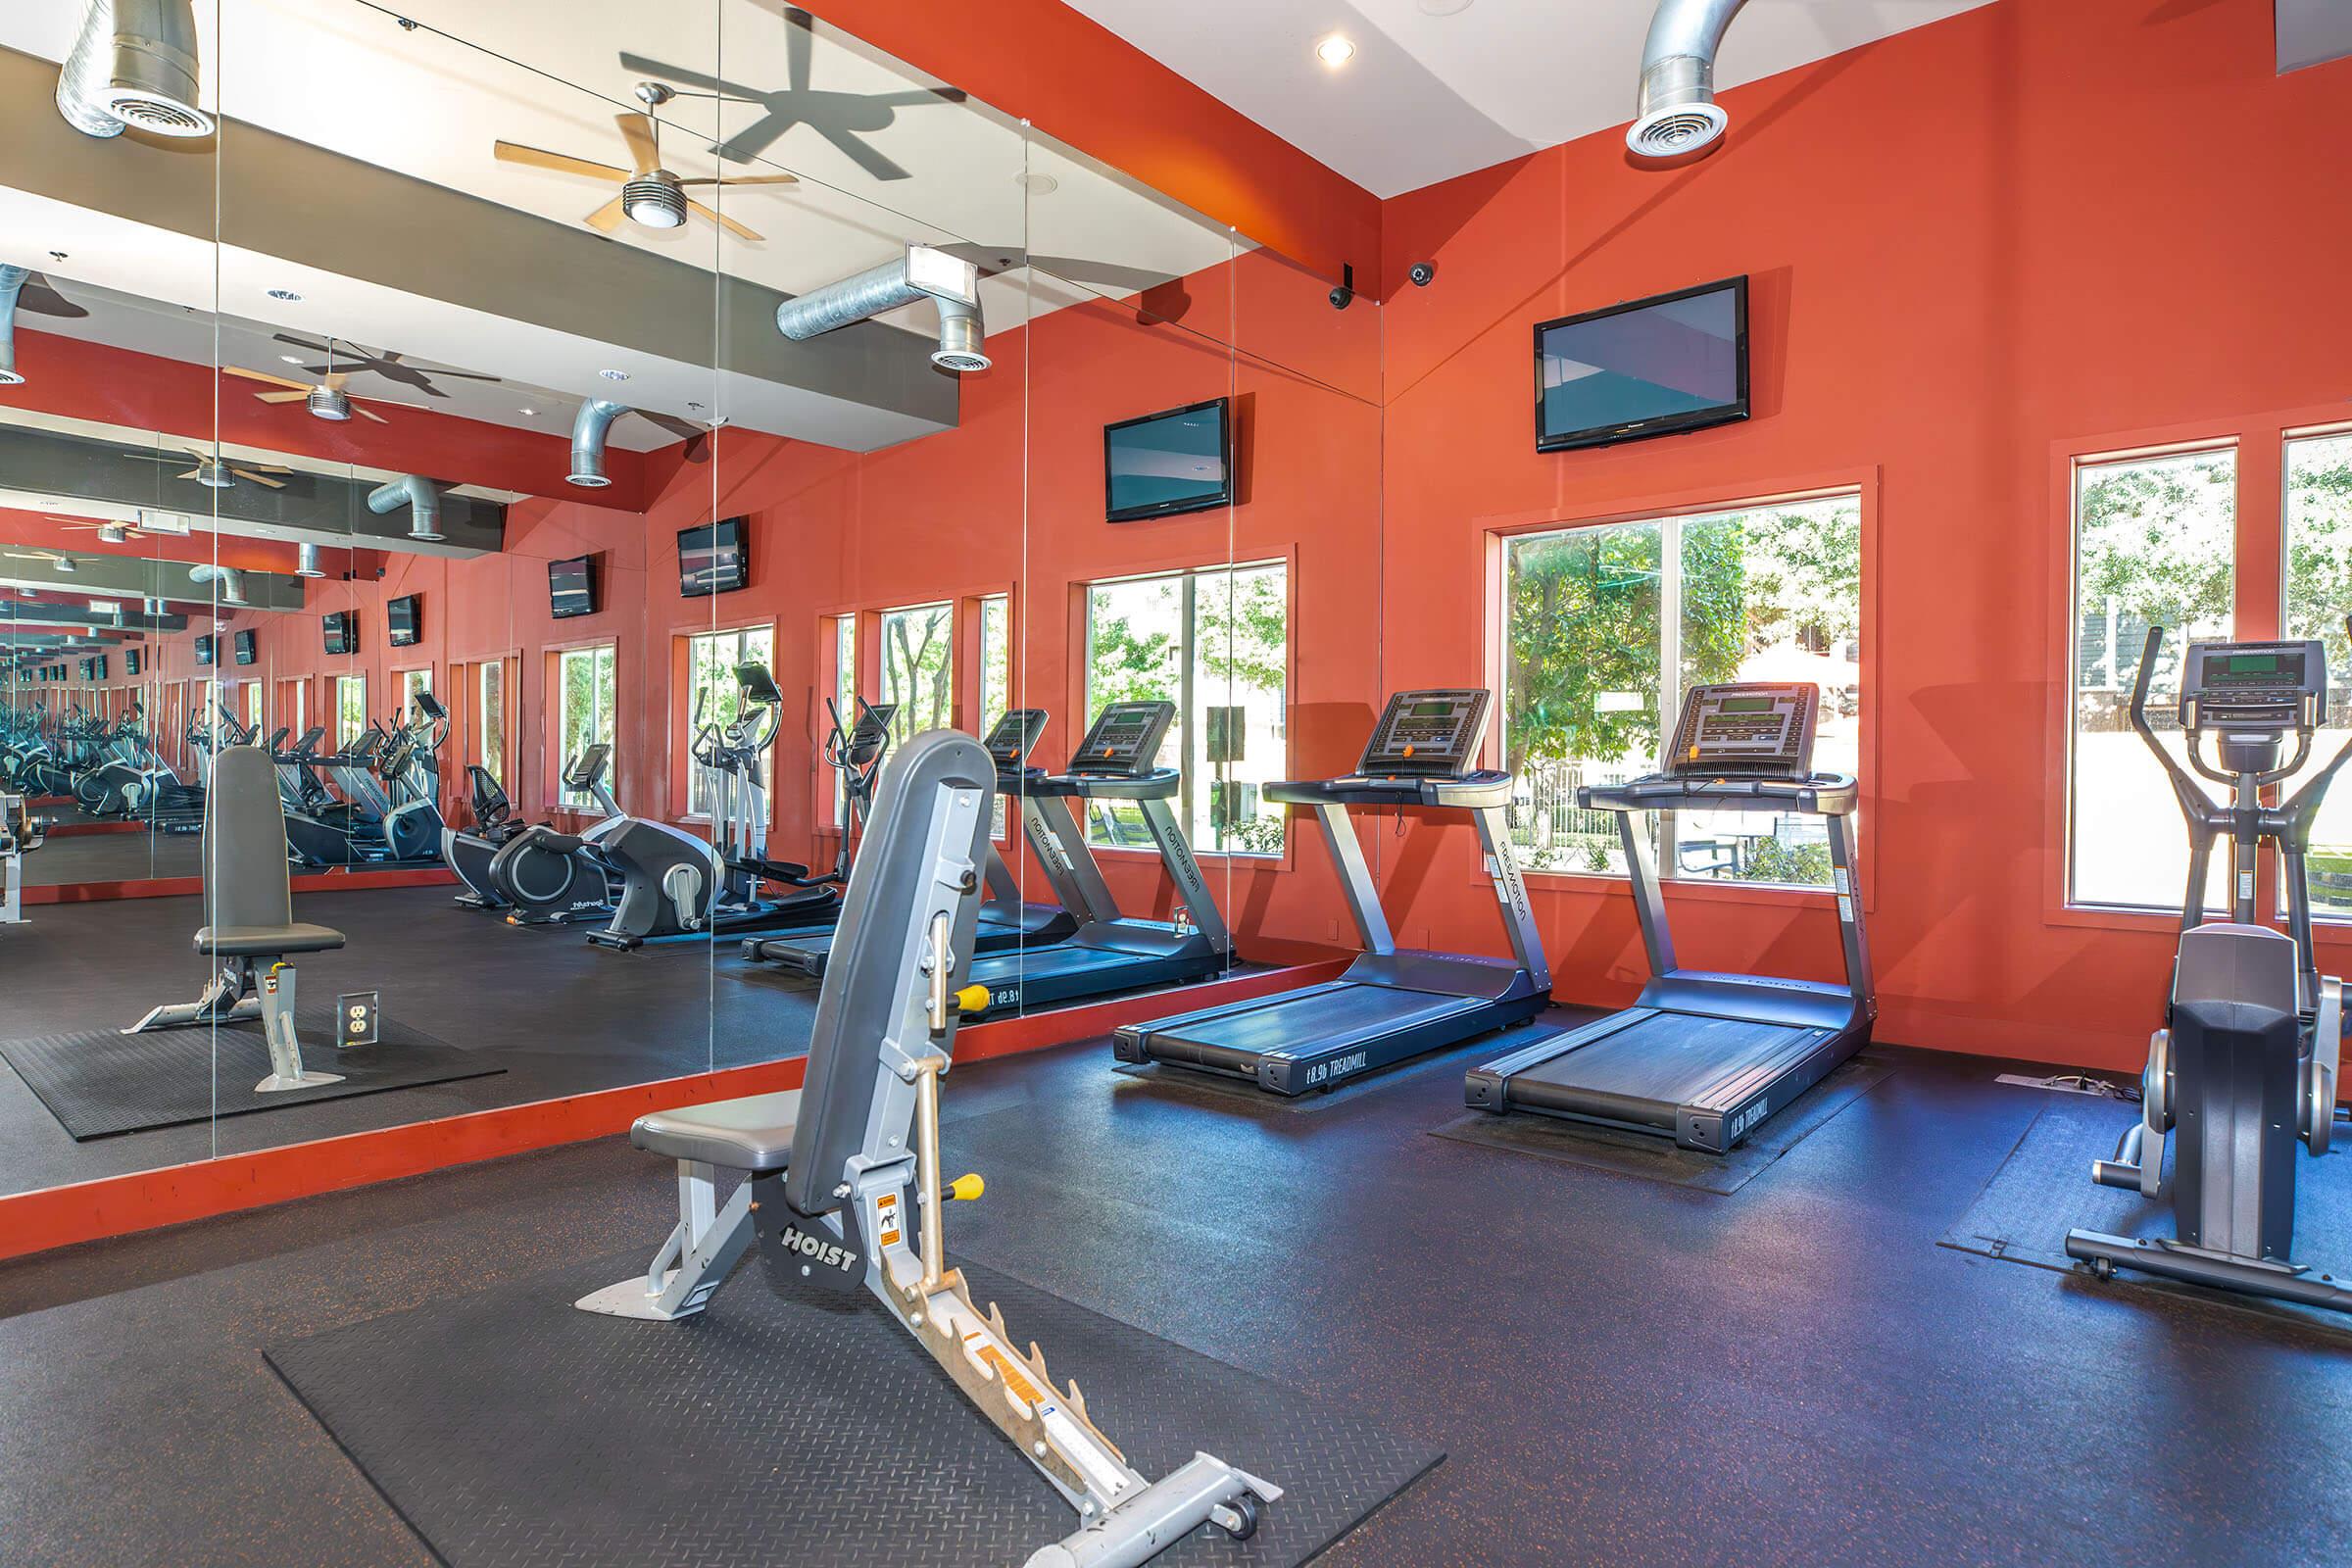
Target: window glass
pixel 1606 627
pixel 351 709
pixel 2319 596
pixel 919 668
pixel 2154 541
pixel 584 685
pixel 490 719
pixel 711 691
pixel 1216 643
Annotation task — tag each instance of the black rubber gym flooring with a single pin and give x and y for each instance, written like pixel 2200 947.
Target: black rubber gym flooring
pixel 1620 1370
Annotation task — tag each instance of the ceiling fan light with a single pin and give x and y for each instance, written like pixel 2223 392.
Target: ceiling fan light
pixel 114 533
pixel 327 403
pixel 653 200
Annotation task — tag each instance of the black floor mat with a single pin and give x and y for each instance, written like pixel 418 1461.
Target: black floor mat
pixel 100 1083
pixel 2043 1190
pixel 509 1428
pixel 1662 1159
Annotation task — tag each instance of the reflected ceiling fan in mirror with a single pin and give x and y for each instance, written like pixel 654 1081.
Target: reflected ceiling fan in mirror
pixel 844 119
pixel 221 473
pixel 650 196
pixel 56 557
pixel 109 533
pixel 325 401
pixel 389 364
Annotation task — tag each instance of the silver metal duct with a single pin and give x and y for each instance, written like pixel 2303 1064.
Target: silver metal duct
pixel 588 432
pixel 921 273
pixel 134 65
pixel 12 283
pixel 1677 115
pixel 306 562
pixel 419 495
pixel 231 581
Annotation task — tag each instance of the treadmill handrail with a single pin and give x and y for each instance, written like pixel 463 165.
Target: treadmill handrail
pixel 1159 784
pixel 1819 795
pixel 1466 792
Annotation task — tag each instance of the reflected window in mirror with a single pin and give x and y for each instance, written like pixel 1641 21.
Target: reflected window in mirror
pixel 918 670
pixel 411 682
pixel 490 719
pixel 351 709
pixel 1215 642
pixel 845 703
pixel 711 691
pixel 585 699
pixel 996 683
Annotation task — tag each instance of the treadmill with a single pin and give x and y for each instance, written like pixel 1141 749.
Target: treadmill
pixel 1005 919
pixel 1107 951
pixel 1390 1003
pixel 1703 1058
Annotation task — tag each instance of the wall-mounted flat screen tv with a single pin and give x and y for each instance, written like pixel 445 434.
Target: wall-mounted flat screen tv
pixel 342 631
pixel 404 621
pixel 100 665
pixel 248 646
pixel 571 587
pixel 712 559
pixel 132 663
pixel 204 649
pixel 1166 464
pixel 1675 361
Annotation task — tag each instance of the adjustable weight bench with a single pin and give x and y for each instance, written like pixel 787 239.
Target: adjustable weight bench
pixel 248 896
pixel 830 1171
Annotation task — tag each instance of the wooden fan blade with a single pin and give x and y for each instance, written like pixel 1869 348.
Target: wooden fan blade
pixel 370 413
pixel 281 396
pixel 508 152
pixel 192 474
pixel 606 219
pixel 263 376
pixel 744 180
pixel 723 220
pixel 259 478
pixel 638 131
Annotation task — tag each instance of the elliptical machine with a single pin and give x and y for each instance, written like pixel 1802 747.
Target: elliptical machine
pixel 2245 1066
pixel 540 875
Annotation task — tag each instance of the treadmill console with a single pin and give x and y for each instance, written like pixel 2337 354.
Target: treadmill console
pixel 2258 686
pixel 1124 739
pixel 1014 736
pixel 1750 730
pixel 1427 734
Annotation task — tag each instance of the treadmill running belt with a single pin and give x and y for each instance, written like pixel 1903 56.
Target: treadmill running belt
pixel 1326 1019
pixel 1641 1073
pixel 1033 963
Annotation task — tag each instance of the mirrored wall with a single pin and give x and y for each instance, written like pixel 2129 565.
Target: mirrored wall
pixel 540 463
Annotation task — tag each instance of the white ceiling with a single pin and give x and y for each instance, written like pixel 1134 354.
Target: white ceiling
pixel 429 102
pixel 1430 96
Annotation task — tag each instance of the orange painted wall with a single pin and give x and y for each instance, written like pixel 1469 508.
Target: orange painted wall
pixel 2032 225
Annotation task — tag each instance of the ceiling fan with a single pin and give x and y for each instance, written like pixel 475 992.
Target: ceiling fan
pixel 389 364
pixel 109 533
pixel 215 474
pixel 56 557
pixel 325 401
pixel 650 195
pixel 844 119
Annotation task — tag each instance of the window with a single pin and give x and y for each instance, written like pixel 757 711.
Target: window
pixel 351 709
pixel 252 707
pixel 996 687
pixel 413 681
pixel 1604 628
pixel 1216 643
pixel 845 703
pixel 2154 541
pixel 294 702
pixel 584 713
pixel 712 692
pixel 2318 595
pixel 490 717
pixel 919 668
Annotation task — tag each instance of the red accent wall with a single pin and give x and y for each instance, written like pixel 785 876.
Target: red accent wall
pixel 2028 230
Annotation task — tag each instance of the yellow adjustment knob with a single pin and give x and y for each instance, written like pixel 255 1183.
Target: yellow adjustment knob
pixel 966 1187
pixel 971 999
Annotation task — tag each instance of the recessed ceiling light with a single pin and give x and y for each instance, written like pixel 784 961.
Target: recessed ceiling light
pixel 1444 8
pixel 291 359
pixel 287 294
pixel 613 375
pixel 1036 184
pixel 1335 50
pixel 528 414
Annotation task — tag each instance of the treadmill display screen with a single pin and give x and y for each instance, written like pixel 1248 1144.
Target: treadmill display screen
pixel 1014 735
pixel 1124 739
pixel 1745 704
pixel 1750 730
pixel 2255 669
pixel 1427 734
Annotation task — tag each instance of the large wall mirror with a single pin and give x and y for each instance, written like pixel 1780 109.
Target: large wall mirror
pixel 550 471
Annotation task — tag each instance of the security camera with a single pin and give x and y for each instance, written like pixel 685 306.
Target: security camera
pixel 1344 295
pixel 1423 273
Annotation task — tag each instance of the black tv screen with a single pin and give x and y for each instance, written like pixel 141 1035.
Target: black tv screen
pixel 1675 361
pixel 1166 464
pixel 712 559
pixel 204 649
pixel 248 648
pixel 404 621
pixel 130 661
pixel 342 633
pixel 571 587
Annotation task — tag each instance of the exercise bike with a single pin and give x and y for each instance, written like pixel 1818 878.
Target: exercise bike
pixel 2245 1064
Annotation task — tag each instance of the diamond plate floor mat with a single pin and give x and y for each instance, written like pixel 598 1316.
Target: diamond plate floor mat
pixel 509 1428
pixel 1662 1159
pixel 2043 1190
pixel 100 1083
